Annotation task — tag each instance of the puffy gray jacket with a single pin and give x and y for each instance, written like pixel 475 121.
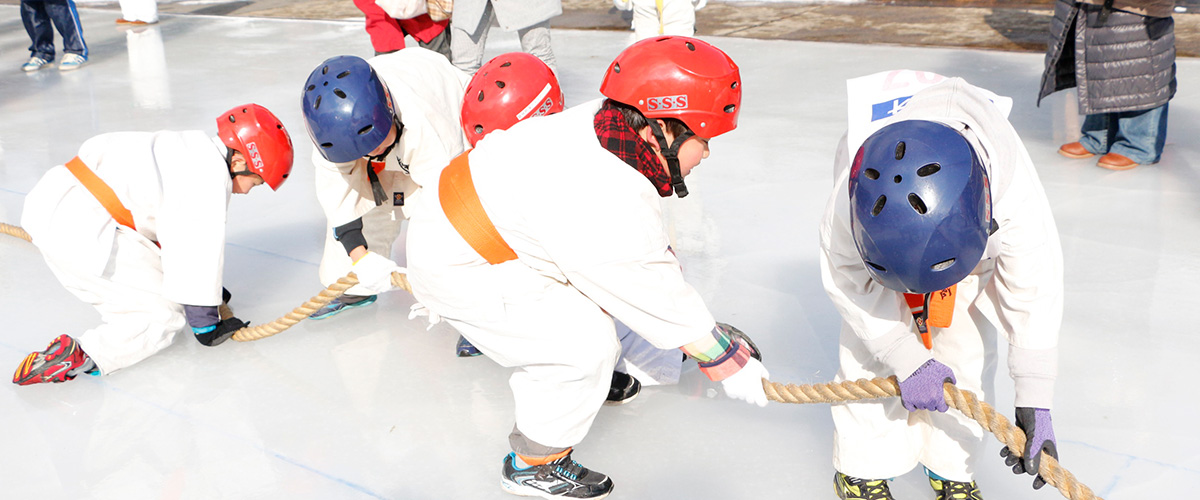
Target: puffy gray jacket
pixel 1125 63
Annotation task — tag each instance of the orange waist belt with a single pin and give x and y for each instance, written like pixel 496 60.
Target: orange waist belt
pixel 102 192
pixel 460 202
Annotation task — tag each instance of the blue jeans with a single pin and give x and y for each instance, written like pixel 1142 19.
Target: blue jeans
pixel 1137 135
pixel 37 16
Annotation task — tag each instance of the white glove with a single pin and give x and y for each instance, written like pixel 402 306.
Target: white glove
pixel 374 272
pixel 699 4
pixel 746 384
pixel 623 4
pixel 417 310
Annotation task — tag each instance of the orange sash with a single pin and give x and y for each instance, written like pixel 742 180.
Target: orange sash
pixel 940 311
pixel 460 202
pixel 102 192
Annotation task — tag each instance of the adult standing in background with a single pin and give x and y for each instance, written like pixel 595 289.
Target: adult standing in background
pixel 138 12
pixel 1124 87
pixel 529 18
pixel 388 21
pixel 37 16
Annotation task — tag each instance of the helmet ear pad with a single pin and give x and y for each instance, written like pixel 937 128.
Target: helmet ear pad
pixel 347 109
pixel 920 206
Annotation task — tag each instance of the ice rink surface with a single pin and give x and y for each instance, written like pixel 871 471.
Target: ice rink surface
pixel 371 405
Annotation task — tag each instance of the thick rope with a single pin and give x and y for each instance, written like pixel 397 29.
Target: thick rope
pixel 298 314
pixel 962 400
pixel 15 231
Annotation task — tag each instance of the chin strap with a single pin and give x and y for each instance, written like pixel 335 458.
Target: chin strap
pixel 671 154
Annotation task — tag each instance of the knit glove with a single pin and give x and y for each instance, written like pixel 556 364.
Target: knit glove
pixel 374 272
pixel 1039 438
pixel 746 384
pixel 923 389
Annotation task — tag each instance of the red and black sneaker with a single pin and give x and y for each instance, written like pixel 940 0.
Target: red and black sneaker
pixel 62 360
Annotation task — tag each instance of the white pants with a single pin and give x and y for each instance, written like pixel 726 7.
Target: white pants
pixel 563 347
pixel 381 227
pixel 678 17
pixel 879 439
pixel 139 10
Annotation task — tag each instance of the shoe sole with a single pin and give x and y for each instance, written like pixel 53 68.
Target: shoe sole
pixel 1117 168
pixel 343 308
pixel 609 402
pixel 525 491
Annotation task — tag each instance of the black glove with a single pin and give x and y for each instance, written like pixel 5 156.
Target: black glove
pixel 1039 438
pixel 220 332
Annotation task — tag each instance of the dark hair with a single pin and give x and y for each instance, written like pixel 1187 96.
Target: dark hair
pixel 638 121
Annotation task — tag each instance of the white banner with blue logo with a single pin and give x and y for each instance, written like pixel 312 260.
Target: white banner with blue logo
pixel 873 98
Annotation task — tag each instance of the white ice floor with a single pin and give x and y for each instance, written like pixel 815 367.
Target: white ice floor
pixel 370 405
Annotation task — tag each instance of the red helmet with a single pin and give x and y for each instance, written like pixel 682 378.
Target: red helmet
pixel 506 90
pixel 259 135
pixel 678 77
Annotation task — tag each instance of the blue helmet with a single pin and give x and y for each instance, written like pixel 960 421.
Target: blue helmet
pixel 346 109
pixel 920 206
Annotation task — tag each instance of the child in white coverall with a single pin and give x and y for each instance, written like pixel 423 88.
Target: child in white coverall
pixel 135 226
pixel 534 240
pixel 938 234
pixel 382 128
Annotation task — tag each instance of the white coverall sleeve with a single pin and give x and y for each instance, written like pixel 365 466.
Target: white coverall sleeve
pixel 343 189
pixel 876 314
pixel 191 224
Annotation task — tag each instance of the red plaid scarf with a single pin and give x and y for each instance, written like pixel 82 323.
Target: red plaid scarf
pixel 615 135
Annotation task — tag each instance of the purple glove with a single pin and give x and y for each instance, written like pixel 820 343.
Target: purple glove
pixel 923 389
pixel 1039 438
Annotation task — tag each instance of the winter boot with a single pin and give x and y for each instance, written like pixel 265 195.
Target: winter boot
pixel 623 389
pixel 945 489
pixel 853 488
pixel 62 360
pixel 341 304
pixel 562 478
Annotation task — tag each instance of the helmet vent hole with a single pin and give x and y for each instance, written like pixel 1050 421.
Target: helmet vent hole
pixel 317 103
pixel 480 96
pixel 232 119
pixel 365 129
pixel 897 179
pixel 900 150
pixel 733 85
pixel 877 267
pixel 506 64
pixel 325 70
pixel 731 108
pixel 871 173
pixel 690 46
pixel 327 145
pixel 499 84
pixel 339 93
pixel 879 203
pixel 943 265
pixel 310 88
pixel 479 129
pixel 343 74
pixel 928 170
pixel 616 68
pixel 917 203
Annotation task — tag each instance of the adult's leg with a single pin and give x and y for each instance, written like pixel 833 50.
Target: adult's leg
pixel 1141 135
pixel 467 47
pixel 430 34
pixel 1098 132
pixel 536 40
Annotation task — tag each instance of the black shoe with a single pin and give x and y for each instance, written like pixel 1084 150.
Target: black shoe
pixel 562 478
pixel 853 488
pixel 623 389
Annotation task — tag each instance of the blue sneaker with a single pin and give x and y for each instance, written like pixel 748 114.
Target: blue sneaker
pixel 562 478
pixel 71 61
pixel 35 63
pixel 341 304
pixel 464 349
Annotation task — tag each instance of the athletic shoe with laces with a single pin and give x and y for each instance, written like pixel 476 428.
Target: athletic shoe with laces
pixel 35 63
pixel 464 348
pixel 562 478
pixel 945 489
pixel 62 360
pixel 341 304
pixel 71 61
pixel 853 488
pixel 623 389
